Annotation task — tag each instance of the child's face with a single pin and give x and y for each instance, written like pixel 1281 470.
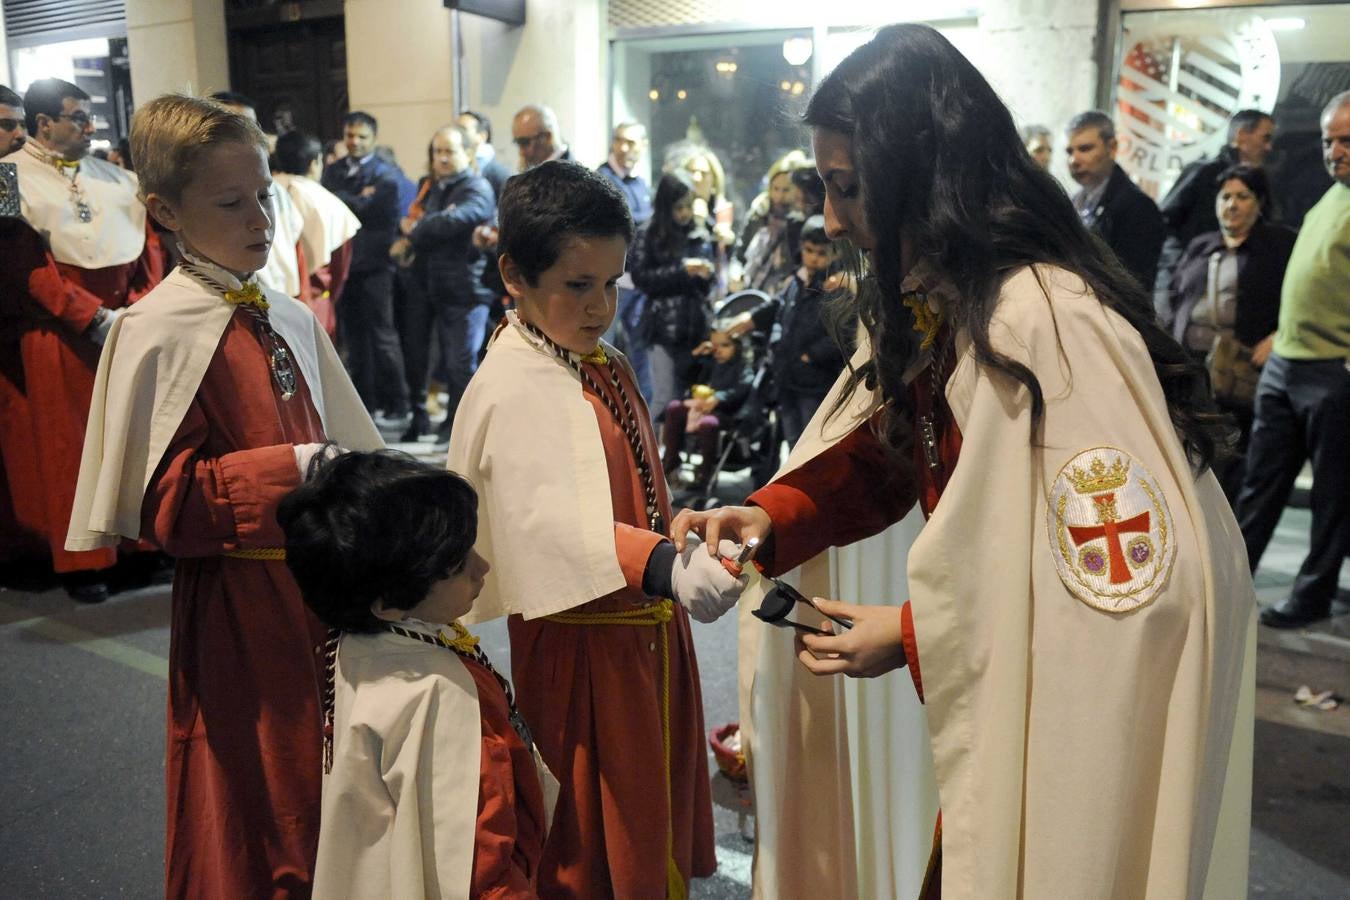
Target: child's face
pixel 783 194
pixel 724 348
pixel 450 598
pixel 574 300
pixel 225 212
pixel 683 211
pixel 816 257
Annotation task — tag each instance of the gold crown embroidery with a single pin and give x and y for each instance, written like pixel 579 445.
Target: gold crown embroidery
pixel 1099 478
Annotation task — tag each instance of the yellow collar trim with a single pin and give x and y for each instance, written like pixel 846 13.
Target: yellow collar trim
pixel 248 295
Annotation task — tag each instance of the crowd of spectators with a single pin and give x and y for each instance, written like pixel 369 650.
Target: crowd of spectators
pixel 402 272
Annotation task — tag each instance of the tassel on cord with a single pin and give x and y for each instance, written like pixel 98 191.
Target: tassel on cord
pixel 329 700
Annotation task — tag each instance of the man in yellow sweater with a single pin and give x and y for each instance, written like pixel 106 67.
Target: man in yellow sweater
pixel 1303 399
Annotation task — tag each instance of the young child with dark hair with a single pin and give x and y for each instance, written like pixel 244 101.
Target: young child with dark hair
pixel 722 385
pixel 806 357
pixel 211 397
pixel 574 518
pixel 431 785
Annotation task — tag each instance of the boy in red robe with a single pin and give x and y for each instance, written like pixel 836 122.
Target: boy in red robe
pixel 432 787
pixel 210 399
pixel 553 434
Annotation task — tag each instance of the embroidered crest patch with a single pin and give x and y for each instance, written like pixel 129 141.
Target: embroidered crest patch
pixel 1110 530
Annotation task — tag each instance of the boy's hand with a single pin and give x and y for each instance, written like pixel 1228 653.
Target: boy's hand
pixel 698 268
pixel 702 585
pixel 407 224
pixel 702 349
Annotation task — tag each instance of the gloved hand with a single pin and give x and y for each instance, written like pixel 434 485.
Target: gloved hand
pixel 700 582
pixel 99 328
pixel 305 453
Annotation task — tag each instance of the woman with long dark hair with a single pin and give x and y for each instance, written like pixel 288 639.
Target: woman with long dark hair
pixel 1079 603
pixel 671 262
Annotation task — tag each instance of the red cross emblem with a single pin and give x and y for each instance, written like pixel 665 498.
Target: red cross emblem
pixel 1110 528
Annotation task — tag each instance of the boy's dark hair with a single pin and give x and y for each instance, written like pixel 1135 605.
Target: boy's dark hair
pixel 543 206
pixel 361 118
pixel 296 152
pixel 813 231
pixel 46 96
pixel 9 98
pixel 375 526
pixel 234 98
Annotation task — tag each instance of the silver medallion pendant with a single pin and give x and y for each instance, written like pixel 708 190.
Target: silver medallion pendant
pixel 283 373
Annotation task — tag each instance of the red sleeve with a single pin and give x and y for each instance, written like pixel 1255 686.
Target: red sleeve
pixel 31 270
pixel 197 506
pixel 851 491
pixel 302 266
pixel 509 832
pixel 635 546
pixel 911 648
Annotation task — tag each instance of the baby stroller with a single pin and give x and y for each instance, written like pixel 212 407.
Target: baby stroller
pixel 753 438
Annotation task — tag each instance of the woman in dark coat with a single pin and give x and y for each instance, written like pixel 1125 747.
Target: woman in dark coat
pixel 672 263
pixel 1229 281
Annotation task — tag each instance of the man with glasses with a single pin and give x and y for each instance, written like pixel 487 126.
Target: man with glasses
pixel 78 254
pixel 534 131
pixel 13 134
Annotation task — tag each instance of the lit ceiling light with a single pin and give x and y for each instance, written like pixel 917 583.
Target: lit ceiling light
pixel 654 94
pixel 725 67
pixel 785 85
pixel 797 50
pixel 797 88
pixel 1287 24
pixel 681 94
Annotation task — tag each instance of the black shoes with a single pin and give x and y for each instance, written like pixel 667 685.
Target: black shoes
pixel 85 587
pixel 420 425
pixel 1290 613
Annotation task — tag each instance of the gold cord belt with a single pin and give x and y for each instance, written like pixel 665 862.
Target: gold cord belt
pixel 258 553
pixel 658 614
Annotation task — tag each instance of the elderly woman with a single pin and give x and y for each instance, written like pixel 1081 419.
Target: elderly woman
pixel 1079 604
pixel 1228 284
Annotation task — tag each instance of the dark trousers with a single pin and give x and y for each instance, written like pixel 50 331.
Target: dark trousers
pixel 1302 411
pixel 366 330
pixel 459 332
pixel 631 303
pixel 795 409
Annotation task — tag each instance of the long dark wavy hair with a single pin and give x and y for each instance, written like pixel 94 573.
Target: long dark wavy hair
pixel 936 153
pixel 665 238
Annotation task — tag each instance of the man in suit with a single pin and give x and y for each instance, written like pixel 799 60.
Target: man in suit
pixel 1109 202
pixel 369 187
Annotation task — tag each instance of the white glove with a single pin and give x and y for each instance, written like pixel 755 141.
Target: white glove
pixel 701 584
pixel 98 330
pixel 305 453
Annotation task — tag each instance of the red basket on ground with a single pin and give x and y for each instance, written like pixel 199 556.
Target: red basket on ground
pixel 731 762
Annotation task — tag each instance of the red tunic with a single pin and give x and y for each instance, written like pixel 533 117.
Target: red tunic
pixel 592 695
pixel 244 752
pixel 511 823
pixel 48 378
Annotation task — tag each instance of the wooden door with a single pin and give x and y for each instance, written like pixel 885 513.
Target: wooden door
pixel 296 73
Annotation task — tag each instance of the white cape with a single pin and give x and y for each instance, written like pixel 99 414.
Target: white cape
pixel 849 756
pixel 151 365
pixel 1087 741
pixel 528 441
pixel 328 222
